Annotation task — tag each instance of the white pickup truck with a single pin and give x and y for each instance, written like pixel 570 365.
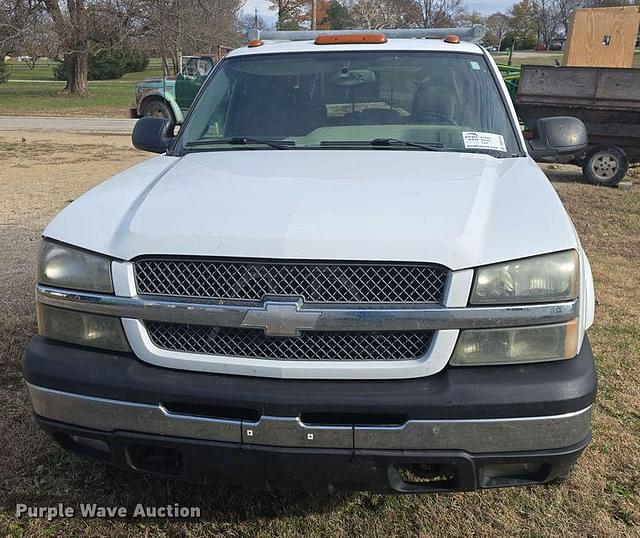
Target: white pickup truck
pixel 344 272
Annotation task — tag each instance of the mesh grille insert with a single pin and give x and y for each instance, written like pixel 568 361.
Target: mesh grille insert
pixel 309 346
pixel 313 282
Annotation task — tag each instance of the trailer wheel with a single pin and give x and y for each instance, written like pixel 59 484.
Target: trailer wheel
pixel 605 165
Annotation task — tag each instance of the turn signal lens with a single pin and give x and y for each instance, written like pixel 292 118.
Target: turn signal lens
pixel 516 345
pixel 350 39
pixel 81 328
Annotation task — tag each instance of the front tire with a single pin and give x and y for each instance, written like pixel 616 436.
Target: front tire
pixel 605 165
pixel 157 108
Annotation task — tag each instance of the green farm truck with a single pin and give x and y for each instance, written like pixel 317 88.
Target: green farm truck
pixel 171 97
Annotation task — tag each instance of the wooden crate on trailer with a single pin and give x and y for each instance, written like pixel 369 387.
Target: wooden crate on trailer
pixel 602 37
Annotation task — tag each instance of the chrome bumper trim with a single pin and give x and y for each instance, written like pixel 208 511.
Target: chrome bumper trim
pixel 111 415
pixel 477 435
pixel 329 318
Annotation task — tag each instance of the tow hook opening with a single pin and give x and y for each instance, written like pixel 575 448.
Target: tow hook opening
pixel 84 445
pixel 426 473
pixel 513 474
pixel 157 460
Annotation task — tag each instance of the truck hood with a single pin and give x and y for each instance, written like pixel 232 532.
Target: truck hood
pixel 156 82
pixel 459 210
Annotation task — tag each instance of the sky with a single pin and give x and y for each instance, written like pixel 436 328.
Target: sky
pixel 483 6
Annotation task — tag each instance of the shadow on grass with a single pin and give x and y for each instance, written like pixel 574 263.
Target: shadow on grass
pixel 564 173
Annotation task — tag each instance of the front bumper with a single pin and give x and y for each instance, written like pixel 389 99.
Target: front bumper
pixel 467 427
pixel 320 470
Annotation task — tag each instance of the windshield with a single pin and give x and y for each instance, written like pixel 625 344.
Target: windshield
pixel 409 100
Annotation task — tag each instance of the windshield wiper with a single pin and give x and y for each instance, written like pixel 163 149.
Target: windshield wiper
pixel 498 154
pixel 383 142
pixel 242 141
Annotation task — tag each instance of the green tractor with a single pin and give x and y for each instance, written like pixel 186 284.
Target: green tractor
pixel 510 75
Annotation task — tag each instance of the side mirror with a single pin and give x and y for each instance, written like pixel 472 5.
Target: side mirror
pixel 559 135
pixel 153 134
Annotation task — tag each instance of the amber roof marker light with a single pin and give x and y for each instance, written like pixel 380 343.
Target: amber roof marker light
pixel 453 39
pixel 255 43
pixel 350 39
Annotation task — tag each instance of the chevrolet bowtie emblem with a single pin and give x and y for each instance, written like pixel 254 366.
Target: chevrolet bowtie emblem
pixel 280 319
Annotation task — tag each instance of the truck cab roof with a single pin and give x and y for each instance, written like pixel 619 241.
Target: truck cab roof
pixel 437 45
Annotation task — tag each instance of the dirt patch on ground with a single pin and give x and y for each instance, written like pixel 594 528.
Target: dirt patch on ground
pixel 41 173
pixel 80 112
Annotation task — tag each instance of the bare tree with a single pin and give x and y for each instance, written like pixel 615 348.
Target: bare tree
pixel 372 14
pixel 547 18
pixel 177 27
pixel 82 25
pixel 38 38
pixel 469 18
pixel 497 28
pixel 14 19
pixel 439 13
pixel 290 13
pixel 70 22
pixel 379 14
pixel 252 22
pixel 565 9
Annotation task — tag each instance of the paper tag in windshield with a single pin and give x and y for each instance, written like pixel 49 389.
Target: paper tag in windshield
pixel 478 140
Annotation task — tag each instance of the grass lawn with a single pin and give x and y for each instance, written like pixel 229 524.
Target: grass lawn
pixel 42 172
pixel 526 57
pixel 35 92
pixel 109 98
pixel 44 71
pixel 543 58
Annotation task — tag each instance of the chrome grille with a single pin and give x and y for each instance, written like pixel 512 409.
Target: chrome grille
pixel 309 346
pixel 313 282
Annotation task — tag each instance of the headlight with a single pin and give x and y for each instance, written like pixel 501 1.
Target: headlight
pixel 547 278
pixel 81 328
pixel 515 345
pixel 67 267
pixel 63 266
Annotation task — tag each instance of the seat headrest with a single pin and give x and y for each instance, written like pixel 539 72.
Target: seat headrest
pixel 433 99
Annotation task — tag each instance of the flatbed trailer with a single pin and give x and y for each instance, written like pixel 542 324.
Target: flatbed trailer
pixel 607 100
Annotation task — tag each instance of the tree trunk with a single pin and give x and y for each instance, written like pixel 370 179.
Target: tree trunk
pixel 77 74
pixel 72 32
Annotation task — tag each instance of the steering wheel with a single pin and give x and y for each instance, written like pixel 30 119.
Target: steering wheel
pixel 190 70
pixel 439 117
